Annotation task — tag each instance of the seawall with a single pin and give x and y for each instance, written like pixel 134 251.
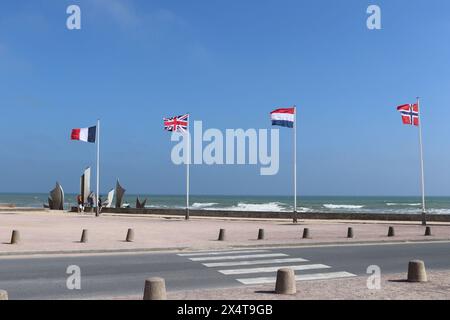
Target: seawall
pixel 281 215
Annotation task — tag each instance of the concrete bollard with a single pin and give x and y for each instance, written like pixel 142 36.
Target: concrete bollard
pixel 285 282
pixel 428 232
pixel 15 237
pixel 130 235
pixel 391 232
pixel 350 232
pixel 84 236
pixel 3 295
pixel 261 234
pixel 416 271
pixel 306 234
pixel 221 235
pixel 155 289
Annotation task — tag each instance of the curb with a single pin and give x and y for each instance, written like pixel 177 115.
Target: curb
pixel 87 252
pixel 188 249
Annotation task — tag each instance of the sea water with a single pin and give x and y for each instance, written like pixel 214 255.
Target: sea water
pixel 352 204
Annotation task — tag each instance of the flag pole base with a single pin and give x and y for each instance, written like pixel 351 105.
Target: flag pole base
pixel 294 218
pixel 424 219
pixel 187 215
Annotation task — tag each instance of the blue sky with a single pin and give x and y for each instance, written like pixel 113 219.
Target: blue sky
pixel 228 63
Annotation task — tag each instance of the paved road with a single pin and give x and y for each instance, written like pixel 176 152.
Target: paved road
pixel 104 276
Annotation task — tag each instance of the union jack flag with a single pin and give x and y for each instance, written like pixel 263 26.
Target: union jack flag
pixel 176 124
pixel 410 114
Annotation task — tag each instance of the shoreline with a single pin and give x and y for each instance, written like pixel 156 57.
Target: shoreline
pixel 281 215
pixel 245 214
pixel 439 205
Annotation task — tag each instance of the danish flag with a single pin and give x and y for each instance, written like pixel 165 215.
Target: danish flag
pixel 410 114
pixel 176 124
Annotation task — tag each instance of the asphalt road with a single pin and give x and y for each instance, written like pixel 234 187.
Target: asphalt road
pixel 105 276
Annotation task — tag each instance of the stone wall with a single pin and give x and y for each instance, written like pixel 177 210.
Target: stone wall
pixel 281 215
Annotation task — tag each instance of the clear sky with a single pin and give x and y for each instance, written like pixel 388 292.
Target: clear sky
pixel 228 63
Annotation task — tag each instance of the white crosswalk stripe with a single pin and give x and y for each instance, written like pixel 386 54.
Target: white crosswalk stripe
pixel 304 277
pixel 259 261
pixel 253 262
pixel 250 256
pixel 273 269
pixel 220 253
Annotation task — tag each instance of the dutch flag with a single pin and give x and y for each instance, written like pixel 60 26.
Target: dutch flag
pixel 84 134
pixel 283 117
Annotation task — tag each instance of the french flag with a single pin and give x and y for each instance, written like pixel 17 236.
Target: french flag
pixel 283 117
pixel 84 134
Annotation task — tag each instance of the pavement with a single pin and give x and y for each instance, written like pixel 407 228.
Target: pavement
pixel 56 232
pixel 197 266
pixel 323 272
pixel 392 287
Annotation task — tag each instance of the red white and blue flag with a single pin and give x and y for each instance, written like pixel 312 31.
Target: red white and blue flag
pixel 176 124
pixel 84 134
pixel 410 114
pixel 283 117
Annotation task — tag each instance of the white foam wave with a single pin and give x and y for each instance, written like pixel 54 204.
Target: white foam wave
pixel 270 207
pixel 439 211
pixel 343 206
pixel 204 204
pixel 404 204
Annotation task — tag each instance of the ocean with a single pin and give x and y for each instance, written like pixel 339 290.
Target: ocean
pixel 397 205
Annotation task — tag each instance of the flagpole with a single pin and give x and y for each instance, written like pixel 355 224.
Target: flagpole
pixel 97 213
pixel 424 217
pixel 188 160
pixel 295 165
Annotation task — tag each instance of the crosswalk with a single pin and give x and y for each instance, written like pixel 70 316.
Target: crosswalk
pixel 259 266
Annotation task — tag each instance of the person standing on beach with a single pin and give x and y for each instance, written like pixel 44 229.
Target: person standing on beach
pixel 80 203
pixel 100 205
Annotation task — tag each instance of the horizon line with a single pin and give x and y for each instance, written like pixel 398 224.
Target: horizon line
pixel 234 195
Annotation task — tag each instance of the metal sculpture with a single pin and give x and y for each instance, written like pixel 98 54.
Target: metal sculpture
pixel 140 205
pixel 85 185
pixel 109 201
pixel 119 194
pixel 56 199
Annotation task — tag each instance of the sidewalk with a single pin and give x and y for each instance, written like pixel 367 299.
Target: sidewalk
pixel 57 232
pixel 393 287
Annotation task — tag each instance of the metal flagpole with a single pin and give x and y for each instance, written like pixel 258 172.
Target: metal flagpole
pixel 424 217
pixel 295 164
pixel 188 160
pixel 97 213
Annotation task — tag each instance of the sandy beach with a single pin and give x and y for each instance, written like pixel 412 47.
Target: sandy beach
pixel 60 232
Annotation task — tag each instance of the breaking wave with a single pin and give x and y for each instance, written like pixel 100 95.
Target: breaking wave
pixel 404 204
pixel 200 205
pixel 439 211
pixel 270 207
pixel 343 206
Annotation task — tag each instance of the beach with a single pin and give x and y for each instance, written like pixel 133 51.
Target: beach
pixel 59 232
